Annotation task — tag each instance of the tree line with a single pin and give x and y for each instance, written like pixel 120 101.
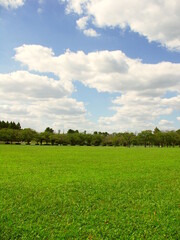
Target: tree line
pixel 11 125
pixel 11 132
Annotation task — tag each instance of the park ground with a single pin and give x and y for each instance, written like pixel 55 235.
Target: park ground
pixel 89 192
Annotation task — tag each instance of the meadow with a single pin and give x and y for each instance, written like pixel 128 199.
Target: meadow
pixel 75 192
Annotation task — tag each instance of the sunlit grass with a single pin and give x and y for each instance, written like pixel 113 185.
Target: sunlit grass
pixel 89 192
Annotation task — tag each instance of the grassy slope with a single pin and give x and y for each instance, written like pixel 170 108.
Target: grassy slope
pixel 89 193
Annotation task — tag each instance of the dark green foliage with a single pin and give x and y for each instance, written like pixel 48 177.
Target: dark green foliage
pixel 28 135
pixel 11 125
pixel 97 139
pixel 74 137
pixel 89 193
pixel 146 138
pixel 49 130
pixel 70 131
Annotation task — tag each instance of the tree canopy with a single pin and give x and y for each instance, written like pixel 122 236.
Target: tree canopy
pixel 11 132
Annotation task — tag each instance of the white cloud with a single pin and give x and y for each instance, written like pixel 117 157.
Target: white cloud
pixel 61 113
pixel 107 71
pixel 31 85
pixel 91 33
pixel 38 101
pixel 12 3
pixel 178 118
pixel 41 99
pixel 135 112
pixel 173 102
pixel 82 25
pixel 142 86
pixel 156 20
pixel 165 124
pixel 74 5
pixel 82 22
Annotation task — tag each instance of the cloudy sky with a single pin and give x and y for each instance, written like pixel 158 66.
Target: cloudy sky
pixel 90 64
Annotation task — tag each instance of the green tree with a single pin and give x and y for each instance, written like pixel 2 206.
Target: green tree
pixel 28 135
pixel 46 137
pixel 4 135
pixel 96 139
pixel 88 139
pixel 54 138
pixel 146 138
pixel 49 130
pixel 128 138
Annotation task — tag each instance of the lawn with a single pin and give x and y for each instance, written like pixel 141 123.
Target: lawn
pixel 89 192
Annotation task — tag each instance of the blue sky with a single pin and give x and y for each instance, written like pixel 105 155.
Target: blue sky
pixel 90 64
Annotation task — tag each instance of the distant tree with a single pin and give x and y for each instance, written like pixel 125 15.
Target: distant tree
pixel 11 132
pixel 2 124
pixel 171 138
pixel 88 139
pixel 12 135
pixel 108 140
pixel 70 131
pixel 115 140
pixel 49 130
pixel 46 137
pixel 128 138
pixel 37 138
pixel 82 139
pixel 96 139
pixel 18 126
pixel 146 137
pixel 41 137
pixel 53 138
pixel 73 137
pixel 17 135
pixel 4 135
pixel 64 139
pixel 120 139
pixel 178 137
pixel 157 137
pixel 156 130
pixel 10 125
pixel 28 135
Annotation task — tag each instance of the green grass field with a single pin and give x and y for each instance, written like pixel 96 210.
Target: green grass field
pixel 89 192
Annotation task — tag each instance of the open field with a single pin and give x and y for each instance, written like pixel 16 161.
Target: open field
pixel 89 192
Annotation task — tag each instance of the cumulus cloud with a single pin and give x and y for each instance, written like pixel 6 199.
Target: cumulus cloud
pixel 12 3
pixel 82 22
pixel 107 71
pixel 133 111
pixel 142 87
pixel 173 102
pixel 38 113
pixel 90 32
pixel 165 124
pixel 82 25
pixel 27 84
pixel 74 5
pixel 156 20
pixel 37 101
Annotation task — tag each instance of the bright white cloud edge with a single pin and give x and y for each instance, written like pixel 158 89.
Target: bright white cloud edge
pixel 156 20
